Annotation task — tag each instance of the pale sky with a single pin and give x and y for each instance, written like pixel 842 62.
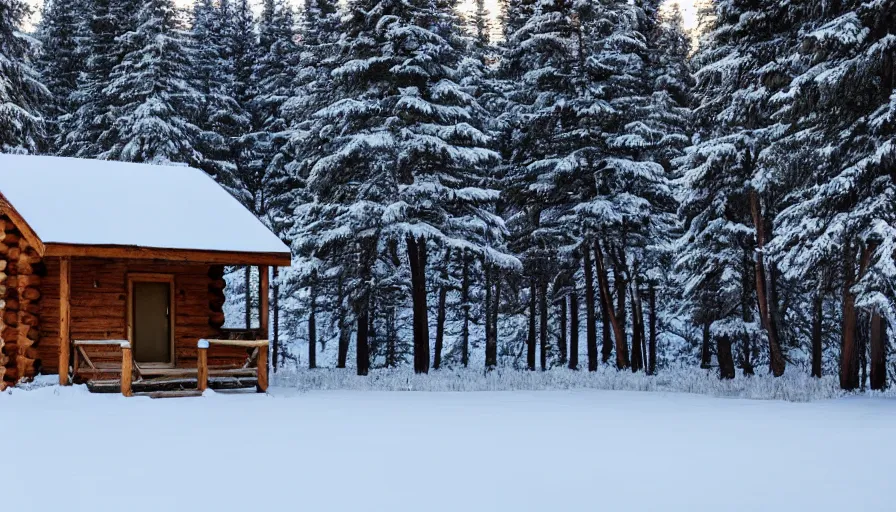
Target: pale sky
pixel 688 9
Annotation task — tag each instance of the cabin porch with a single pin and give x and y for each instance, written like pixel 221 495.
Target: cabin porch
pixel 103 324
pixel 130 378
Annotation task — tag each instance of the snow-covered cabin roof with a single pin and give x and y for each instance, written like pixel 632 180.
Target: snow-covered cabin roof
pixel 71 203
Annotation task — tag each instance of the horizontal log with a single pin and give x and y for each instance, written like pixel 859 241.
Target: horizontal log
pixel 28 279
pixel 31 293
pixel 239 343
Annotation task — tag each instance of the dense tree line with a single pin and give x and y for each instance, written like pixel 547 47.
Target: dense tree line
pixel 454 198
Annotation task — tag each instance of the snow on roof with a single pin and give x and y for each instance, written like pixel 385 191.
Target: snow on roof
pixel 100 202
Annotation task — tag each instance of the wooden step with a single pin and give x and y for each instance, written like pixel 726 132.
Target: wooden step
pixel 171 394
pixel 170 384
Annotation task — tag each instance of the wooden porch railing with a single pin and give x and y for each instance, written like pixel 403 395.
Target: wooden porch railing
pixel 255 365
pixel 259 356
pixel 128 366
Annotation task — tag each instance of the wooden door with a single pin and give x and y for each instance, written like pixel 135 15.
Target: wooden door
pixel 152 322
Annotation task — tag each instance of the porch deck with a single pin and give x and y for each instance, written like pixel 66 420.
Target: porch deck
pixel 129 378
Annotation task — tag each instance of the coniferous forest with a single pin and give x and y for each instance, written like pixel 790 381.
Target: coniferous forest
pixel 576 184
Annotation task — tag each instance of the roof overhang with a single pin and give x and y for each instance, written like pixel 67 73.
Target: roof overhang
pixel 276 259
pixel 52 249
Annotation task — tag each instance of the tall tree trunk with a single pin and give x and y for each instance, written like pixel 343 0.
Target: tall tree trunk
pixel 651 350
pixel 705 354
pixel 606 334
pixel 391 339
pixel 746 308
pixel 345 331
pixel 312 327
pixel 849 370
pixel 620 284
pixel 417 259
pixel 776 356
pixel 530 342
pixel 543 325
pixel 637 329
pixel 726 360
pixel 622 361
pixel 491 348
pixel 440 315
pixel 562 341
pixel 363 306
pixel 878 352
pixel 590 325
pixel 573 330
pixel 496 307
pixel 465 304
pixel 817 318
pixel 362 353
pixel 275 350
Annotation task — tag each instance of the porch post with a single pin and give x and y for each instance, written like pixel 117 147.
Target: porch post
pixel 263 313
pixel 263 309
pixel 65 319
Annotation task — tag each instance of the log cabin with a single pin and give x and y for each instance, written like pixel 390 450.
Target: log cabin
pixel 112 274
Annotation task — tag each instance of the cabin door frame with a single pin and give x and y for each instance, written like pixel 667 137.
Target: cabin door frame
pixel 139 277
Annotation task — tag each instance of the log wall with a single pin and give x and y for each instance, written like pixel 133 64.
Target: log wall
pixel 99 308
pixel 21 270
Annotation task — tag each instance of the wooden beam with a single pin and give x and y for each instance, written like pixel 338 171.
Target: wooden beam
pixel 20 222
pixel 202 367
pixel 180 255
pixel 127 369
pixel 240 343
pixel 264 293
pixel 65 317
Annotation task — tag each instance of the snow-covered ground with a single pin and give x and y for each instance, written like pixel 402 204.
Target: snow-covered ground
pixel 492 451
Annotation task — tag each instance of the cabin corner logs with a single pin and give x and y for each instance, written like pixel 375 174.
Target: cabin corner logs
pixel 21 270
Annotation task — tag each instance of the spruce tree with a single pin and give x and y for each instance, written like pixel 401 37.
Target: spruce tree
pixel 836 161
pixel 154 101
pixel 64 33
pixel 219 117
pixel 21 92
pixel 726 203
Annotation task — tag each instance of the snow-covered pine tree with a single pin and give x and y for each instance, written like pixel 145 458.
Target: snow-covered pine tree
pixel 542 74
pixel 220 118
pixel 316 288
pixel 645 131
pixel 155 103
pixel 725 203
pixel 21 92
pixel 404 153
pixel 82 132
pixel 272 86
pixel 64 32
pixel 837 158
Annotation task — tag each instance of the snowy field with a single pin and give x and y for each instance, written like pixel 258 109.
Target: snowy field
pixel 425 451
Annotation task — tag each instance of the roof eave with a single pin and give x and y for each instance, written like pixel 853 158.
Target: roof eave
pixel 277 259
